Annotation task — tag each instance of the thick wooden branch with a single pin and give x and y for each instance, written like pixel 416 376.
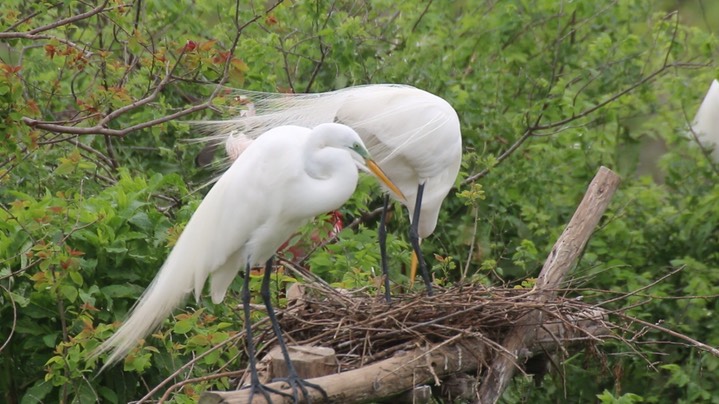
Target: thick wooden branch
pixel 427 365
pixel 561 260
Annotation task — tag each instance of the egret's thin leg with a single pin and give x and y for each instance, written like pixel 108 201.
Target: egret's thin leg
pixel 293 379
pixel 255 384
pixel 382 236
pixel 414 239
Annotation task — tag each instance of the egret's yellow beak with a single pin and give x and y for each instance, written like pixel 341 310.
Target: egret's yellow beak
pixel 382 177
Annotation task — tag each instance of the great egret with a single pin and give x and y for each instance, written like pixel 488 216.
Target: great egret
pixel 283 179
pixel 706 121
pixel 235 144
pixel 414 135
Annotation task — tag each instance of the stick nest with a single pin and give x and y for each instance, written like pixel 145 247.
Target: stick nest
pixel 363 329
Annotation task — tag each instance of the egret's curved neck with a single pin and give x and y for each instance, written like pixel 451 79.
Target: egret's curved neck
pixel 331 176
pixel 320 160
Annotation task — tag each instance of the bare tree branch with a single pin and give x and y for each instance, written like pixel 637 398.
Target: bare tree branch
pixel 55 24
pixel 561 259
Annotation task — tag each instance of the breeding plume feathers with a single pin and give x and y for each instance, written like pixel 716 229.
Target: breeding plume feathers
pixel 360 107
pixel 412 134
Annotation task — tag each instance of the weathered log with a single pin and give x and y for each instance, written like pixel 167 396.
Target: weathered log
pixel 561 260
pixel 309 362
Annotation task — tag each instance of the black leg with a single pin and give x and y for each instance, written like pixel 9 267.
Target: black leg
pixel 293 379
pixel 255 384
pixel 382 236
pixel 414 239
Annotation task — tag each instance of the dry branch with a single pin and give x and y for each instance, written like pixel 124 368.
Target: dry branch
pixel 562 258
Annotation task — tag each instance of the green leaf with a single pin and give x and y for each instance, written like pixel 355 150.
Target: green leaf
pixel 184 326
pixel 50 340
pixel 37 393
pixel 76 277
pixel 69 292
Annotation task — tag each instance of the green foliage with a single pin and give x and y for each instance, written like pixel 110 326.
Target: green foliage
pixel 609 398
pixel 86 219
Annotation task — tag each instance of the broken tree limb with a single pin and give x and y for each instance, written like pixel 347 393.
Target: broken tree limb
pixel 561 260
pixel 427 365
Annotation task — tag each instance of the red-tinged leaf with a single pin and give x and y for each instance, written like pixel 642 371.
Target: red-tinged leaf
pixel 50 51
pixel 182 316
pixel 208 319
pixel 189 390
pixel 160 56
pixel 73 252
pixel 239 65
pixel 237 72
pixel 66 263
pixel 10 69
pixel 66 51
pixel 120 93
pixel 56 209
pixel 190 46
pixel 207 45
pixel 32 106
pixel 271 20
pixel 221 57
pixel 38 277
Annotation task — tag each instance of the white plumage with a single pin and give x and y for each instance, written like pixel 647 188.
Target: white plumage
pixel 283 179
pixel 414 135
pixel 706 121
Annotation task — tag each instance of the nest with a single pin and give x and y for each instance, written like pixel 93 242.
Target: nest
pixel 363 329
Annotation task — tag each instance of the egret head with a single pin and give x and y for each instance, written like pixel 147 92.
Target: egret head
pixel 345 136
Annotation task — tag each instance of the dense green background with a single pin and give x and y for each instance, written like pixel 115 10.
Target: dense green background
pixel 86 221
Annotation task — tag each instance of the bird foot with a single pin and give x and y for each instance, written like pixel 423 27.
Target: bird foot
pixel 257 387
pixel 297 383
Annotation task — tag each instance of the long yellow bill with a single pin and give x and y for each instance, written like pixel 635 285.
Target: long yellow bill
pixel 382 177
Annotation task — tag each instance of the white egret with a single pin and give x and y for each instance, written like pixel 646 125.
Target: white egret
pixel 706 121
pixel 414 136
pixel 283 179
